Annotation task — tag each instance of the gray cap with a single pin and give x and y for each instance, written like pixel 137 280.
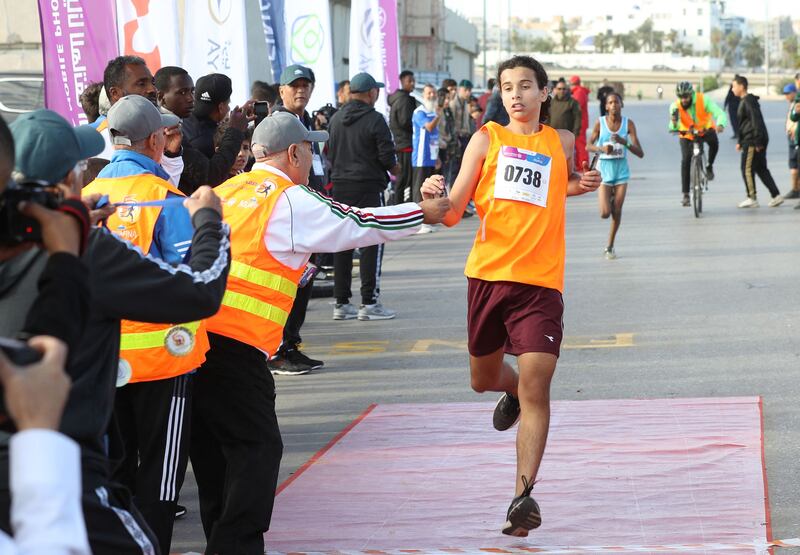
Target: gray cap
pixel 280 130
pixel 133 118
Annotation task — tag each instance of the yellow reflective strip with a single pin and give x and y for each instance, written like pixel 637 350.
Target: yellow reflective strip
pixel 263 278
pixel 150 339
pixel 255 307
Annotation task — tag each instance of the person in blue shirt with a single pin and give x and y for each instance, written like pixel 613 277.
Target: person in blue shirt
pixel 425 139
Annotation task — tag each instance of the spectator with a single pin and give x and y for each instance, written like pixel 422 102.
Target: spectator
pixel 297 86
pixel 565 112
pixel 361 152
pixel 342 93
pixel 475 112
pixel 236 442
pixel 401 109
pixel 451 86
pixel 732 106
pixel 448 161
pixel 484 98
pixel 425 141
pixel 176 94
pixel 495 111
pixel 155 359
pixel 90 101
pixel 460 107
pixel 263 92
pixel 793 134
pixel 126 75
pixel 602 92
pixel 244 154
pixel 45 465
pixel 581 94
pixel 752 143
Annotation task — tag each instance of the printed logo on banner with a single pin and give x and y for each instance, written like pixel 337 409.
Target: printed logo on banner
pixel 220 10
pixel 138 41
pixel 308 39
pixel 368 27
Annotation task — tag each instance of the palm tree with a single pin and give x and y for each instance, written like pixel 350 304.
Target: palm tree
pixel 753 51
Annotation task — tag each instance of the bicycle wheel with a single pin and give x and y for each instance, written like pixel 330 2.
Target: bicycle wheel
pixel 697 186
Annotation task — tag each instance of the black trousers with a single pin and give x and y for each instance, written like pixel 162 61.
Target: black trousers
pixel 297 317
pixel 113 524
pixel 405 179
pixel 153 420
pixel 711 139
pixel 371 257
pixel 236 447
pixel 420 175
pixel 755 163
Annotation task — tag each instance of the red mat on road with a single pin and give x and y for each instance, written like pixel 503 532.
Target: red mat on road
pixel 618 476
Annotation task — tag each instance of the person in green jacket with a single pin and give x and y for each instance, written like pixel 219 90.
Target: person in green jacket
pixel 693 110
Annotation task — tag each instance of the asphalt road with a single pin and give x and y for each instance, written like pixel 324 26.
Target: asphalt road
pixel 696 308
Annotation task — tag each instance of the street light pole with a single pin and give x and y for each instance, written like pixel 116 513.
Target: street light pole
pixel 766 46
pixel 485 45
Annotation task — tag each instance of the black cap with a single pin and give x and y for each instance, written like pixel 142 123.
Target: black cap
pixel 210 90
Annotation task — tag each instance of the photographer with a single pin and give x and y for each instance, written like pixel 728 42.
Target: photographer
pixel 45 465
pixel 124 284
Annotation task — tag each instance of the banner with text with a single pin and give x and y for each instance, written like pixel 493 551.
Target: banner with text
pixel 275 35
pixel 78 40
pixel 374 45
pixel 308 43
pixel 215 41
pixel 149 29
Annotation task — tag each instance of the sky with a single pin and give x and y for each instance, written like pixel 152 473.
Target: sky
pixel 498 8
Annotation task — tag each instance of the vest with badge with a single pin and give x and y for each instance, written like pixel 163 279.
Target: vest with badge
pixel 261 290
pixel 148 351
pixel 701 121
pixel 521 199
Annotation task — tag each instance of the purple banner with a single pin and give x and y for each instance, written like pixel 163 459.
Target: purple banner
pixel 391 45
pixel 79 37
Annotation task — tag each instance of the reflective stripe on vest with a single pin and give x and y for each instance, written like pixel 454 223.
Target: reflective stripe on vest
pixel 255 307
pixel 262 278
pixel 150 339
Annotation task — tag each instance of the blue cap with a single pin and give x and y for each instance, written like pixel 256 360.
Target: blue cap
pixel 47 147
pixel 789 89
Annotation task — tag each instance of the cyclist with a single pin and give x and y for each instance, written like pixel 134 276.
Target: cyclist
pixel 693 110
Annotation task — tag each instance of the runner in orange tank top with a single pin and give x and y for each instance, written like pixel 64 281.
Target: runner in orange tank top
pixel 519 177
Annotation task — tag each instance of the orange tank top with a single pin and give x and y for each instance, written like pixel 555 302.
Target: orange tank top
pixel 520 199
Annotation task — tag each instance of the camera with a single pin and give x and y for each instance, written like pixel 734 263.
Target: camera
pixel 441 95
pixel 260 110
pixel 327 112
pixel 15 227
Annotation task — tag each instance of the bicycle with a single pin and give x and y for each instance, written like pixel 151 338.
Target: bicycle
pixel 698 179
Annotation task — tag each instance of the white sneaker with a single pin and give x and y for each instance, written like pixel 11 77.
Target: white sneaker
pixel 610 254
pixel 750 203
pixel 776 201
pixel 426 228
pixel 345 312
pixel 375 312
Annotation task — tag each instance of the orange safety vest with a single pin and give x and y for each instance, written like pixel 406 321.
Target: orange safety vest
pixel 703 119
pixel 149 351
pixel 261 290
pixel 519 241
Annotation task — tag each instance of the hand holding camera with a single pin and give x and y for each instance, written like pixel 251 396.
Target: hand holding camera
pixel 35 394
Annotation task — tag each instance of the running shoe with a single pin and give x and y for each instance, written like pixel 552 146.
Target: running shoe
pixel 506 412
pixel 296 356
pixel 610 254
pixel 685 201
pixel 523 513
pixel 426 228
pixel 710 172
pixel 776 201
pixel 375 312
pixel 792 195
pixel 749 203
pixel 345 312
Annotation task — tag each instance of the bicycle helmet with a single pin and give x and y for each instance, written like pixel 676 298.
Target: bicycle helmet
pixel 684 88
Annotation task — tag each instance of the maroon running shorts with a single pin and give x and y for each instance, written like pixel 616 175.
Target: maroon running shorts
pixel 520 317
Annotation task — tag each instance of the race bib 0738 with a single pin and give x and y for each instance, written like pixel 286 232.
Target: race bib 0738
pixel 522 175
